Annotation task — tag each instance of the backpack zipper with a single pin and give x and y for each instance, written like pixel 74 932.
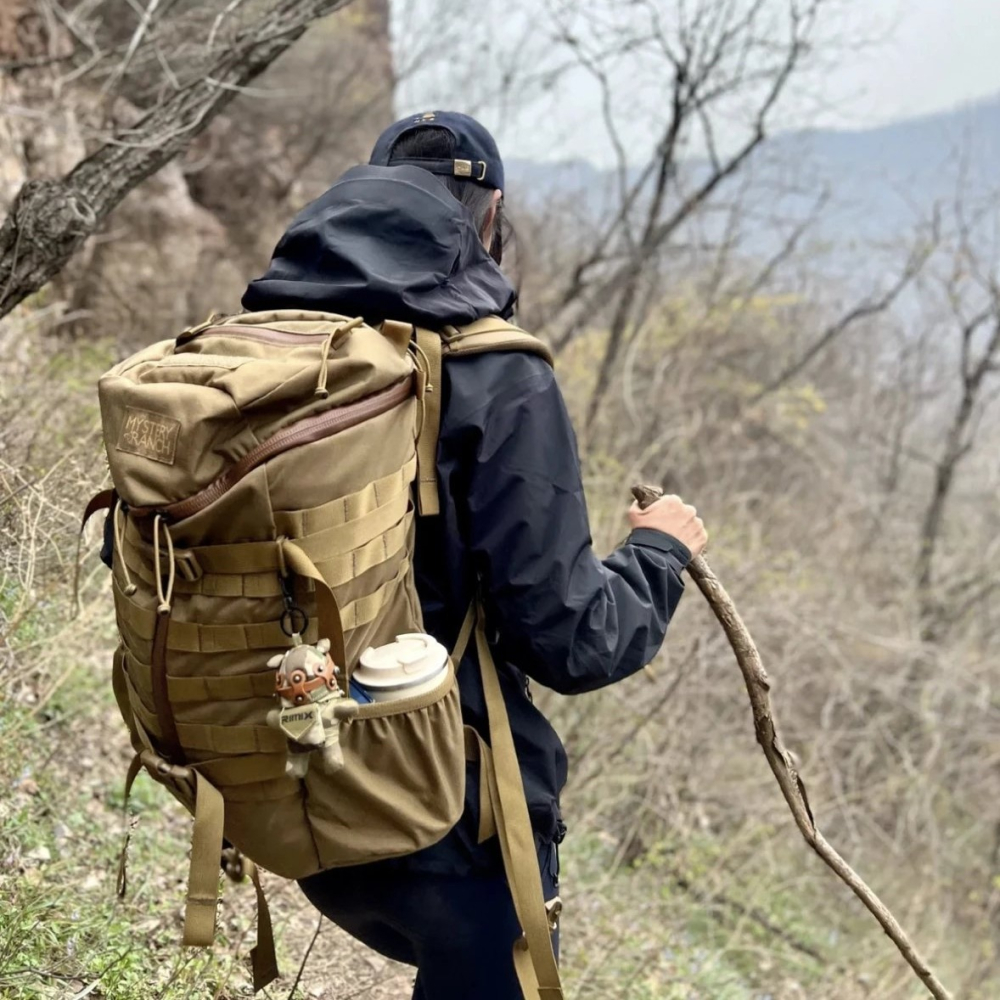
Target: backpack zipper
pixel 306 431
pixel 263 334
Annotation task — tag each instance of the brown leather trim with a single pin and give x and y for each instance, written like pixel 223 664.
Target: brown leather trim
pixel 104 500
pixel 306 431
pixel 161 698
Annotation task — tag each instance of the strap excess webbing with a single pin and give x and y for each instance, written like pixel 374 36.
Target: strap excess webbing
pixel 203 877
pixel 263 960
pixel 534 958
pixel 122 882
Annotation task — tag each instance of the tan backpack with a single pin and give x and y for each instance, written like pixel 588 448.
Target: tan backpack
pixel 266 467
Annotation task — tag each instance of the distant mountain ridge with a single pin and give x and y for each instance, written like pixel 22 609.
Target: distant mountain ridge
pixel 880 178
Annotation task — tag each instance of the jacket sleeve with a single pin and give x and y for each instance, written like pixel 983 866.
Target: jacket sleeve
pixel 567 619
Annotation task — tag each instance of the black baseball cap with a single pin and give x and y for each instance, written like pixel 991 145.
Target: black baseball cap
pixel 476 155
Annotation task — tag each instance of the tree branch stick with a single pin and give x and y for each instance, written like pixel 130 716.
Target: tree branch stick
pixel 794 791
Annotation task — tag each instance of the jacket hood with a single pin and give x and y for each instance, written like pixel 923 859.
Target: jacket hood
pixel 385 243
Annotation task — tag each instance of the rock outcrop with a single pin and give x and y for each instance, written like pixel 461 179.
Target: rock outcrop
pixel 185 242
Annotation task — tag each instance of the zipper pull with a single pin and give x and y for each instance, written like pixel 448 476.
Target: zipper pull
pixel 214 319
pixel 321 389
pixel 334 339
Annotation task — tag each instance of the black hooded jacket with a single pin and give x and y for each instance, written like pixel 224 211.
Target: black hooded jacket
pixel 392 242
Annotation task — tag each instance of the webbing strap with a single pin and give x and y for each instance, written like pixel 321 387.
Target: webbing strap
pixel 119 685
pixel 140 714
pixel 464 634
pixel 158 678
pixel 263 960
pixel 193 637
pixel 428 502
pixel 264 584
pixel 235 687
pixel 230 772
pixel 488 335
pixel 100 501
pixel 337 569
pixel 341 569
pixel 534 958
pixel 343 539
pixel 331 626
pixel 477 750
pixel 475 747
pixel 203 877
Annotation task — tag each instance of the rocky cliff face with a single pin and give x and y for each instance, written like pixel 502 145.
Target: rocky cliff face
pixel 315 112
pixel 186 242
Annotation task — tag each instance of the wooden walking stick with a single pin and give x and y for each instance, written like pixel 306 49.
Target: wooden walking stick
pixel 788 778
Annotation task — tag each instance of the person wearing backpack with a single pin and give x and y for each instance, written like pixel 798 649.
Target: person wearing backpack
pixel 416 236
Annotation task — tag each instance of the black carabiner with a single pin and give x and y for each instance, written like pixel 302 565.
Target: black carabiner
pixel 294 621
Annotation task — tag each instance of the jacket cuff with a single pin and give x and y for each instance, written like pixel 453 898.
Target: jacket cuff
pixel 651 538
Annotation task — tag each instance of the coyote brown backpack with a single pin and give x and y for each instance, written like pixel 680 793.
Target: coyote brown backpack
pixel 267 469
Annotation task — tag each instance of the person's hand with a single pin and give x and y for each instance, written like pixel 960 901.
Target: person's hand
pixel 675 517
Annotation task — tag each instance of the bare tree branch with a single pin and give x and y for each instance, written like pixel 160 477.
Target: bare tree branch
pixel 694 88
pixel 793 789
pixel 914 264
pixel 958 444
pixel 51 219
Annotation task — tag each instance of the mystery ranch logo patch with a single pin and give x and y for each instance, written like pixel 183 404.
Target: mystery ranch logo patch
pixel 150 435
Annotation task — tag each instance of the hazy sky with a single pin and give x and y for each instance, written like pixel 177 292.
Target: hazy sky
pixel 940 52
pixel 928 55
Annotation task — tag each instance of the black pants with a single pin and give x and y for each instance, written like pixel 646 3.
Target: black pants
pixel 458 930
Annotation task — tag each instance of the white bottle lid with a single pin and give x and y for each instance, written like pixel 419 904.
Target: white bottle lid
pixel 414 663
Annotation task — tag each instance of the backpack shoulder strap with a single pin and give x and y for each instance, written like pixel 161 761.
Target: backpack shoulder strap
pixel 482 337
pixel 490 334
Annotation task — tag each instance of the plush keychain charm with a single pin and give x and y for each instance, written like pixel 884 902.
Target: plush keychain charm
pixel 312 706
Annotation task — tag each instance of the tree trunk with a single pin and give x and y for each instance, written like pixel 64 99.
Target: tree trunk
pixel 51 219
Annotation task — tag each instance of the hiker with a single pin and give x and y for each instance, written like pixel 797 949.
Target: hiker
pixel 417 236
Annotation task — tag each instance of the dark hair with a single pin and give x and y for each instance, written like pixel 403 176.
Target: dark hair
pixel 439 144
